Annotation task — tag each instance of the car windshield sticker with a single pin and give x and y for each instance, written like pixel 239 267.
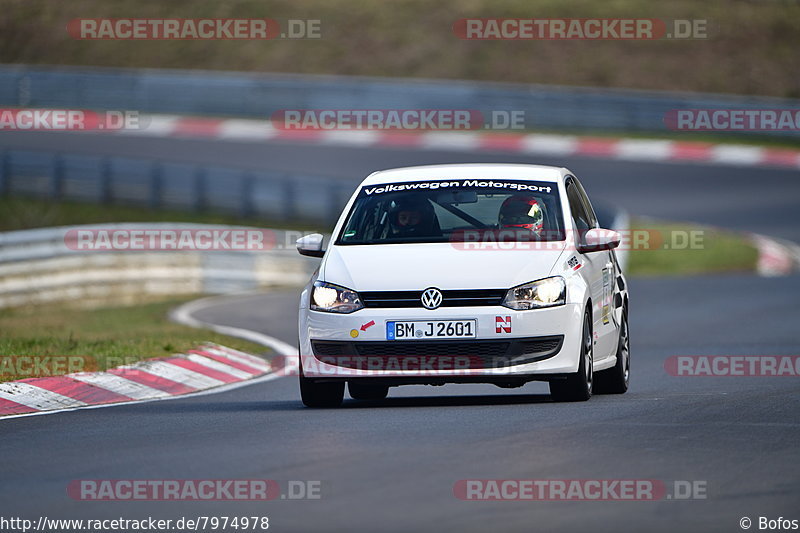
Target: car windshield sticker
pixel 466 183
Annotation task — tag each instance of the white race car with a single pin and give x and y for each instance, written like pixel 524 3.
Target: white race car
pixel 477 273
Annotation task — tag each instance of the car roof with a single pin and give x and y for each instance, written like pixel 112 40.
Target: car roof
pixel 468 171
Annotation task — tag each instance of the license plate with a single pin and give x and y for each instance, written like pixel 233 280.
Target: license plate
pixel 409 330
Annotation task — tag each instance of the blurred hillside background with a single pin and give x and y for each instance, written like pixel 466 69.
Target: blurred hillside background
pixel 752 47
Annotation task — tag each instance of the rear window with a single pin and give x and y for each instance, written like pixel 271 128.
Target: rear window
pixel 454 210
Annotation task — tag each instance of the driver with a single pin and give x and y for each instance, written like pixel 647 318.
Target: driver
pixel 411 217
pixel 521 211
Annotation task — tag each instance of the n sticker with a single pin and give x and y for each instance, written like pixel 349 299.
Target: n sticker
pixel 502 324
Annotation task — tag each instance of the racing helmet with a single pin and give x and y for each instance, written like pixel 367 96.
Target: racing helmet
pixel 521 211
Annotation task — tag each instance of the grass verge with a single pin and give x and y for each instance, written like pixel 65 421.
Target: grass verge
pixel 675 249
pixel 100 338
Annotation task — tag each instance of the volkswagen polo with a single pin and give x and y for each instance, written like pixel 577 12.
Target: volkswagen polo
pixel 470 273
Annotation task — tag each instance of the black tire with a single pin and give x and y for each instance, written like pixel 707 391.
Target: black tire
pixel 578 386
pixel 616 379
pixel 320 394
pixel 361 391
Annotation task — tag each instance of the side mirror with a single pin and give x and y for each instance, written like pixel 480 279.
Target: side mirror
pixel 311 245
pixel 598 239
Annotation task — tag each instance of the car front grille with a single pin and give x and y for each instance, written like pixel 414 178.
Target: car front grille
pixel 450 298
pixel 443 355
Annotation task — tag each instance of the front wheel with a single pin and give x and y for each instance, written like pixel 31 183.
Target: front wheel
pixel 578 386
pixel 321 394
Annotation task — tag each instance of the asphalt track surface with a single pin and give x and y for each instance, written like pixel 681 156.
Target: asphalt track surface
pixel 392 465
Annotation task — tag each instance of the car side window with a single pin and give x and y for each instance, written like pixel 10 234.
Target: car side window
pixel 590 216
pixel 579 216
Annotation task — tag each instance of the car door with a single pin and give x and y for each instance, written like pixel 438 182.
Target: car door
pixel 606 321
pixel 597 269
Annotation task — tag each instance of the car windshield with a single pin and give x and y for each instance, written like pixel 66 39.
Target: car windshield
pixel 454 211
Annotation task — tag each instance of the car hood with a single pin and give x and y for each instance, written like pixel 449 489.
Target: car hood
pixel 398 267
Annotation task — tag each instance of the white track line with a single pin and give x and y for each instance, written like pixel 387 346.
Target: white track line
pixel 183 315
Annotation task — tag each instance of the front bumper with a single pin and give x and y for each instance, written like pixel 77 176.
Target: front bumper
pixel 541 342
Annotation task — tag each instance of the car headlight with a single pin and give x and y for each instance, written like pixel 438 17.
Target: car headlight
pixel 548 292
pixel 334 299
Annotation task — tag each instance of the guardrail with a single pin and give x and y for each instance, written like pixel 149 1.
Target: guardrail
pixel 37 266
pixel 546 107
pixel 160 184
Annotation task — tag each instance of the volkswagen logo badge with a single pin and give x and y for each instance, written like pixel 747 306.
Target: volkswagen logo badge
pixel 431 298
